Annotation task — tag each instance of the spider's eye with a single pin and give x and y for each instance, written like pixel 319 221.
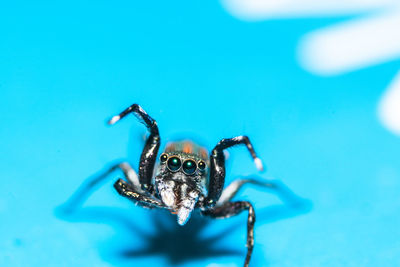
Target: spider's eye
pixel 174 163
pixel 202 165
pixel 163 157
pixel 189 166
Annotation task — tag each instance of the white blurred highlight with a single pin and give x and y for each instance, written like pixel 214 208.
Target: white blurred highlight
pixel 352 45
pixel 348 46
pixel 389 106
pixel 267 9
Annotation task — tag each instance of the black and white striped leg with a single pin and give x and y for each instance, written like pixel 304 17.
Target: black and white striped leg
pixel 150 150
pixel 127 190
pixel 234 208
pixel 83 192
pixel 217 165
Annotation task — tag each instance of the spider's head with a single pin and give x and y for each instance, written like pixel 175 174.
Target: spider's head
pixel 181 177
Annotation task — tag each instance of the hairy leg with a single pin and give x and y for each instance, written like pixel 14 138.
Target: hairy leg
pixel 217 165
pixel 234 208
pixel 150 150
pixel 143 200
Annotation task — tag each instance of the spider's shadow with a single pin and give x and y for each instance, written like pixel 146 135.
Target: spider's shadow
pixel 178 244
pixel 162 237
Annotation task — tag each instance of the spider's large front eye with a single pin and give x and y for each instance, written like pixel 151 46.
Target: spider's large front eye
pixel 189 166
pixel 174 164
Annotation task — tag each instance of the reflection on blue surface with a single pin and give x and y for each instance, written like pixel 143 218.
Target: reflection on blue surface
pixel 67 67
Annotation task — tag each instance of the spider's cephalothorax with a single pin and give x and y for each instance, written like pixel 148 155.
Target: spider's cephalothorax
pixel 186 178
pixel 181 176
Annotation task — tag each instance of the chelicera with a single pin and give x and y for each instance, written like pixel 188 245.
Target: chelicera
pixel 183 178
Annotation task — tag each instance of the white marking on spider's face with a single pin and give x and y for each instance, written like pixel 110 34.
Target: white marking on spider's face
pixel 183 215
pixel 167 193
pixel 178 176
pixel 187 206
pixel 193 194
pixel 187 203
pixel 168 197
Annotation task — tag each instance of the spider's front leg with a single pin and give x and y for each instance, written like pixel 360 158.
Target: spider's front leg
pixel 127 190
pixel 227 209
pixel 150 150
pixel 217 166
pixel 230 209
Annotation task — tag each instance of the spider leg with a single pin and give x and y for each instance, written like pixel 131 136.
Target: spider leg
pixel 230 191
pixel 150 150
pixel 275 186
pixel 127 190
pixel 230 209
pixel 217 166
pixel 83 192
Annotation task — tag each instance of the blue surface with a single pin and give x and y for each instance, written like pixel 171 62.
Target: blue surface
pixel 68 66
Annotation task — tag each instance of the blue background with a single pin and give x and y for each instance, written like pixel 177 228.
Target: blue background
pixel 66 67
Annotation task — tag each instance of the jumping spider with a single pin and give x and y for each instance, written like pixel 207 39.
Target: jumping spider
pixel 185 178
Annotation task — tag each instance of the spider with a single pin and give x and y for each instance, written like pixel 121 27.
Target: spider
pixel 185 178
